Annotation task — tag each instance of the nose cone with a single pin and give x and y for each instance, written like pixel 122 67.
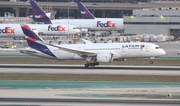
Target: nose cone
pixel 78 30
pixel 163 52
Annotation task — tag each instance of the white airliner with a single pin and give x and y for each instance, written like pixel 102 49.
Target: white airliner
pixel 47 29
pixel 100 52
pixel 97 24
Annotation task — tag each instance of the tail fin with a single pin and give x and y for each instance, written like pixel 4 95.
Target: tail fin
pixel 32 39
pixel 38 14
pixel 35 42
pixel 85 13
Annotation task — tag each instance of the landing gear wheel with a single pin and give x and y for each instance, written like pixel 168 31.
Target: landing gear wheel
pixel 93 64
pixel 96 63
pixel 86 65
pixel 151 62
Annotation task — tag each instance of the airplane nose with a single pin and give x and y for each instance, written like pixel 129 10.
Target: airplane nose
pixel 77 30
pixel 163 52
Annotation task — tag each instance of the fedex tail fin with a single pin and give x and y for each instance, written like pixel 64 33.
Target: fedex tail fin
pixel 85 13
pixel 35 42
pixel 38 14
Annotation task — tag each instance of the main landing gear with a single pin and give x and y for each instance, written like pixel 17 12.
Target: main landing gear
pixel 91 64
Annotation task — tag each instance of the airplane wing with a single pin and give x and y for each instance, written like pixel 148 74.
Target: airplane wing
pixel 79 52
pixel 87 41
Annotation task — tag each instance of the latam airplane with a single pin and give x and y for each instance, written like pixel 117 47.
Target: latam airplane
pixel 102 24
pixel 100 52
pixel 44 29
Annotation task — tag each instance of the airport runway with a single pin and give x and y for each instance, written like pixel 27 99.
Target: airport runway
pixel 80 69
pixel 97 96
pixel 92 101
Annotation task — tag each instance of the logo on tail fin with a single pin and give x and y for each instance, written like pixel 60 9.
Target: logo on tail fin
pixel 36 16
pixel 84 12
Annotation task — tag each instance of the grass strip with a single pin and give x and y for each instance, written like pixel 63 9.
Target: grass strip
pixel 89 77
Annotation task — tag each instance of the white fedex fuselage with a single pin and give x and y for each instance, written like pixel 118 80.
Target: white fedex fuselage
pixel 119 50
pixel 98 24
pixel 47 29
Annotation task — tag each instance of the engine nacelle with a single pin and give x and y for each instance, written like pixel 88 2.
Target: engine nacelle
pixel 104 57
pixel 84 30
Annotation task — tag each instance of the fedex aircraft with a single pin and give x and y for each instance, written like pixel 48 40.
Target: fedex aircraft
pixel 100 52
pixel 99 24
pixel 86 14
pixel 47 29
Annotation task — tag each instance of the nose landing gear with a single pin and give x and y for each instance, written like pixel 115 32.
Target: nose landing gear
pixel 151 60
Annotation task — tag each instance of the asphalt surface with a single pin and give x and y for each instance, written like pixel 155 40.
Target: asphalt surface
pixel 109 101
pixel 80 69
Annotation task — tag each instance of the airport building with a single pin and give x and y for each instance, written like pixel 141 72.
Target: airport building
pixel 143 18
pixel 153 21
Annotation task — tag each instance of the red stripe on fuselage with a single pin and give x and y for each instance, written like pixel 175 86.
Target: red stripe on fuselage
pixel 31 39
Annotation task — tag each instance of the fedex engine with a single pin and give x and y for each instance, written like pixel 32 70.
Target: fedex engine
pixel 105 57
pixel 84 30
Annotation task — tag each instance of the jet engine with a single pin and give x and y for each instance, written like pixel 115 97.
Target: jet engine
pixel 105 57
pixel 84 30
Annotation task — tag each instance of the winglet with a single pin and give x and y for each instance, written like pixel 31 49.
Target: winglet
pixel 85 13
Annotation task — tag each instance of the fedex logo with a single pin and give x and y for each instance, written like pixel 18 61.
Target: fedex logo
pixel 84 12
pixel 108 24
pixel 38 16
pixel 7 30
pixel 58 28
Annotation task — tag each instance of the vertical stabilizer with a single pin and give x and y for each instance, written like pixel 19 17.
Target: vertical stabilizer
pixel 35 42
pixel 85 13
pixel 38 14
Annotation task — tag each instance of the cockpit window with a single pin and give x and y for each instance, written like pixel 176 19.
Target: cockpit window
pixel 158 48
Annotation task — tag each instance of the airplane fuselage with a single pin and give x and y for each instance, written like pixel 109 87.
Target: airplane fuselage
pixel 46 29
pixel 98 24
pixel 120 50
